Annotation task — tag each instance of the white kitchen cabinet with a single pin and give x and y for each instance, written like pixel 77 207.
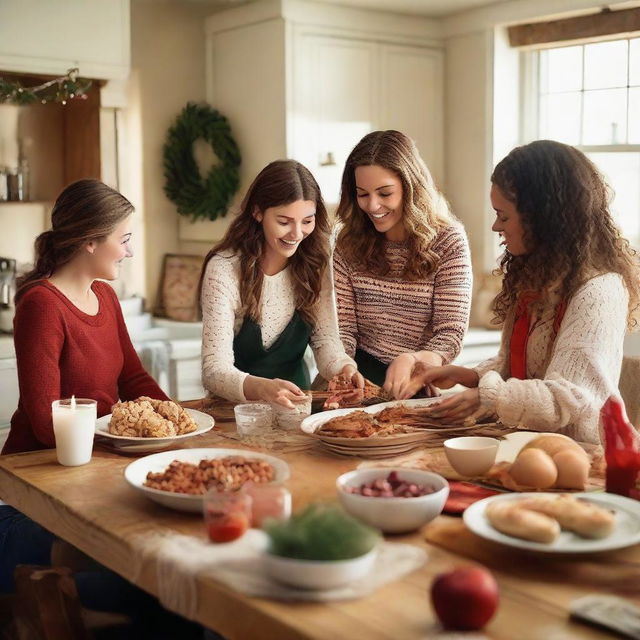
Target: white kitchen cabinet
pixel 45 37
pixel 307 80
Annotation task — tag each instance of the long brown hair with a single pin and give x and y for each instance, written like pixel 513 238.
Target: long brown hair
pixel 85 211
pixel 280 183
pixel 425 210
pixel 563 202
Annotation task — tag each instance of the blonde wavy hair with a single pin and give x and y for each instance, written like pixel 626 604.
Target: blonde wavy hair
pixel 280 183
pixel 425 210
pixel 563 202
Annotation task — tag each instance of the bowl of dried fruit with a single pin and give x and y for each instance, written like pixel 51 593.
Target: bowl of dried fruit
pixel 393 500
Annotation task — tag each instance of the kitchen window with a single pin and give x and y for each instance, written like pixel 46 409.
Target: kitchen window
pixel 588 96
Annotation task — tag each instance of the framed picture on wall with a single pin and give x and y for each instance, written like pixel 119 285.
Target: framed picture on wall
pixel 178 291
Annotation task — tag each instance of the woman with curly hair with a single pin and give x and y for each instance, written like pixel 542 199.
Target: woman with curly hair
pixel 266 294
pixel 570 290
pixel 401 263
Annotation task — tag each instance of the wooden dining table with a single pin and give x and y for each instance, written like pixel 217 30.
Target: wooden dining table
pixel 93 508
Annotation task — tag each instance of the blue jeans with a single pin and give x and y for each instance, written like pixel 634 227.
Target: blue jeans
pixel 23 541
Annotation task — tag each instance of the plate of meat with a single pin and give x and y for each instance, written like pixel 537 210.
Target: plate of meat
pixel 385 429
pixel 146 425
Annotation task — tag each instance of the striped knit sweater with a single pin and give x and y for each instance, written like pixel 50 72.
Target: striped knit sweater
pixel 387 316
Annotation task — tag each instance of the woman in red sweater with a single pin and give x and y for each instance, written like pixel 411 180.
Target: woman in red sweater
pixel 71 339
pixel 69 332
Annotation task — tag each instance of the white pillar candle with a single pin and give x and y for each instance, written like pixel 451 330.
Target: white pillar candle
pixel 74 423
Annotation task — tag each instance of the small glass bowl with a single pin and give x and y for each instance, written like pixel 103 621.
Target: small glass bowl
pixel 227 514
pixel 290 419
pixel 252 418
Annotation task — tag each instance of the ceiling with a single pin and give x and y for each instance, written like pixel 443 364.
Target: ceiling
pixel 428 8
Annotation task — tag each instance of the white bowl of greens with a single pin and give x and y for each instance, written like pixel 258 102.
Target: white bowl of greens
pixel 321 547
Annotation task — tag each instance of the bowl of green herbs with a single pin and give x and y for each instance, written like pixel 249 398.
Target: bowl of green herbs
pixel 320 547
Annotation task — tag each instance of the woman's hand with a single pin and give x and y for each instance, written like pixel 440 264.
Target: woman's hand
pixel 443 377
pixel 457 407
pixel 399 374
pixel 274 391
pixel 351 373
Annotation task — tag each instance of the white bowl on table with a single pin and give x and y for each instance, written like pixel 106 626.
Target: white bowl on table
pixel 471 455
pixel 395 514
pixel 318 574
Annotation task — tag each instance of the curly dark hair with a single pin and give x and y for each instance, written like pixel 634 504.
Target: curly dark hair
pixel 563 201
pixel 425 210
pixel 280 183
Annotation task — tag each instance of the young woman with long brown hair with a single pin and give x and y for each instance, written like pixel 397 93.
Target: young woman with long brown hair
pixel 570 290
pixel 266 294
pixel 401 263
pixel 69 332
pixel 71 339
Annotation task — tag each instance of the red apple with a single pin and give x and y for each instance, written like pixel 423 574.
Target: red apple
pixel 465 598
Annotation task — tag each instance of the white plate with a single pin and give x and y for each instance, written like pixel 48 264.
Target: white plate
pixel 313 422
pixel 625 533
pixel 204 423
pixel 136 473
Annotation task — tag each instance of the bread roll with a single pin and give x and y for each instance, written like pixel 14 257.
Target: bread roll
pixel 551 443
pixel 582 517
pixel 508 517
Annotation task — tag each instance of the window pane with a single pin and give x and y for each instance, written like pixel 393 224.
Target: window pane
pixel 634 62
pixel 605 65
pixel 622 171
pixel 605 117
pixel 561 69
pixel 560 117
pixel 634 115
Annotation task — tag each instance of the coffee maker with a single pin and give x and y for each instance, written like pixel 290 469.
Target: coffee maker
pixel 7 291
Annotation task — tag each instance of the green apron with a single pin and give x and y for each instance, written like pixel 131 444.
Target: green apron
pixel 283 359
pixel 371 368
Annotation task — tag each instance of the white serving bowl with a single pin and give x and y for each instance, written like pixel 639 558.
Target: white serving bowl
pixel 471 455
pixel 318 574
pixel 393 515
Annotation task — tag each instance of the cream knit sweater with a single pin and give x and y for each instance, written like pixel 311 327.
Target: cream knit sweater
pixel 569 378
pixel 222 319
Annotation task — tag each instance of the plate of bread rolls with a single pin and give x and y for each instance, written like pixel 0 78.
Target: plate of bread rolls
pixel 557 522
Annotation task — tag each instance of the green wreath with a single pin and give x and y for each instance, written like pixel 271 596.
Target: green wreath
pixel 194 195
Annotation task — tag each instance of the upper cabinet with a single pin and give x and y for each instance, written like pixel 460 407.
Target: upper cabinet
pixel 45 37
pixel 307 80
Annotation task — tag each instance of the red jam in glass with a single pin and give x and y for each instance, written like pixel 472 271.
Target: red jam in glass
pixel 227 515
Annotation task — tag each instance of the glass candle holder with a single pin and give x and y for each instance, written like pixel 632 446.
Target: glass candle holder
pixel 252 418
pixel 268 501
pixel 74 425
pixel 227 514
pixel 290 419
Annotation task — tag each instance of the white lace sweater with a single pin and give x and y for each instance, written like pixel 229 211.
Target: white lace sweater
pixel 571 377
pixel 222 319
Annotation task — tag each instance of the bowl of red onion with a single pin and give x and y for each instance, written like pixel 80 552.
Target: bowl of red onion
pixel 393 500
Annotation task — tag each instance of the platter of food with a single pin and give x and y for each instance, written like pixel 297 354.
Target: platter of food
pixel 179 479
pixel 557 523
pixel 380 430
pixel 146 425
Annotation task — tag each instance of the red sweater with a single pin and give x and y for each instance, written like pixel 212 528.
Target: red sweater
pixel 62 351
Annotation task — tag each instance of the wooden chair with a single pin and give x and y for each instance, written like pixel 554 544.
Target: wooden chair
pixel 46 605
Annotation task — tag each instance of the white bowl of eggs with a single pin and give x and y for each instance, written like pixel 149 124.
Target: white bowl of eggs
pixel 549 461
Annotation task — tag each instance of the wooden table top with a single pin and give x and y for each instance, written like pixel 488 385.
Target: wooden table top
pixel 93 508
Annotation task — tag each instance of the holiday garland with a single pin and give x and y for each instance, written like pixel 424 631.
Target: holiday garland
pixel 60 90
pixel 195 196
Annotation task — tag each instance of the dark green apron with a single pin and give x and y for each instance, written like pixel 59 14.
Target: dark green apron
pixel 283 359
pixel 371 368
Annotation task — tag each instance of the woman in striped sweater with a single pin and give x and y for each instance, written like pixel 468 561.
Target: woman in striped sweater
pixel 570 290
pixel 401 263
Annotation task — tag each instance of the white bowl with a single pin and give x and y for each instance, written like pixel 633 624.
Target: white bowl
pixel 318 574
pixel 471 455
pixel 136 473
pixel 393 515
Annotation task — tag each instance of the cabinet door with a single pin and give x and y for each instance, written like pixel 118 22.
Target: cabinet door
pixel 412 99
pixel 334 104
